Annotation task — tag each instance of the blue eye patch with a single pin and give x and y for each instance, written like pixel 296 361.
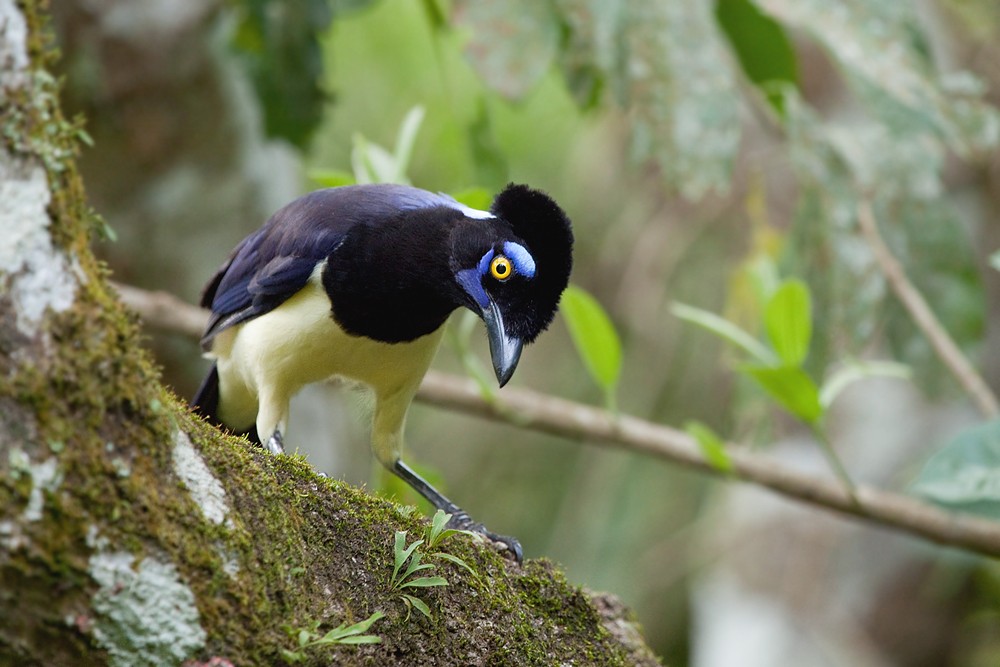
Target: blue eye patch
pixel 471 279
pixel 484 263
pixel 519 256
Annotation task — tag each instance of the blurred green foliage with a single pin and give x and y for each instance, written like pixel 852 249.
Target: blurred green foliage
pixel 965 474
pixel 762 46
pixel 280 42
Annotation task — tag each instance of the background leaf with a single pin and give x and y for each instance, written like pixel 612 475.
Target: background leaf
pixel 788 320
pixel 876 45
pixel 711 446
pixel 514 64
pixel 791 387
pixel 762 46
pixel 726 330
pixel 594 336
pixel 279 41
pixel 965 474
pixel 854 371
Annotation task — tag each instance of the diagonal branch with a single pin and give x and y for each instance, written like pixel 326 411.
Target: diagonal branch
pixel 540 412
pixel 911 298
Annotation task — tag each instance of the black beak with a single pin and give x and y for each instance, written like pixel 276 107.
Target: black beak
pixel 505 350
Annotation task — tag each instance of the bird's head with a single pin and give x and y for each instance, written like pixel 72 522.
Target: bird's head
pixel 512 270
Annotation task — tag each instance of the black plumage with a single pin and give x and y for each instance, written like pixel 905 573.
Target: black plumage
pixel 386 265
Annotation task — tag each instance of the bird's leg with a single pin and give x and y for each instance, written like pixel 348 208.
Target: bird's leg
pixel 275 444
pixel 460 520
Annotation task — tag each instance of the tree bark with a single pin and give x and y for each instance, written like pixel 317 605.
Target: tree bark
pixel 132 533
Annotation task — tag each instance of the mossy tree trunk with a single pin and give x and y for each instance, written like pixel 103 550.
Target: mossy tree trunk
pixel 132 533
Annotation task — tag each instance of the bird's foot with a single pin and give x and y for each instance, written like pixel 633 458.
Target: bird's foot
pixel 274 444
pixel 462 521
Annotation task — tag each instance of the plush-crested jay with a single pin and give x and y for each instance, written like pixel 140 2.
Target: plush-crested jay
pixel 357 282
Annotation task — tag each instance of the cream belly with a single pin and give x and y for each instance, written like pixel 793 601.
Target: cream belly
pixel 265 361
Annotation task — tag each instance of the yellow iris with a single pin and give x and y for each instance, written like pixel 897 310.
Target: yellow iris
pixel 500 267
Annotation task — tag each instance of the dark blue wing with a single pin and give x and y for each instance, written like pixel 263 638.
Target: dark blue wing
pixel 275 262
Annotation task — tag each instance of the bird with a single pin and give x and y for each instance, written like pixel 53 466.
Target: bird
pixel 356 282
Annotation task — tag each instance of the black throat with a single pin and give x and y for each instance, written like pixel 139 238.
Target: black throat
pixel 391 280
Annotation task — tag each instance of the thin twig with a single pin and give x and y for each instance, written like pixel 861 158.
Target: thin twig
pixel 915 304
pixel 541 412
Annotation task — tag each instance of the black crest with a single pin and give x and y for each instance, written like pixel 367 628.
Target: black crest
pixel 546 231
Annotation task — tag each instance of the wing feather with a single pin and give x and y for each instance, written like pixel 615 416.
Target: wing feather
pixel 275 262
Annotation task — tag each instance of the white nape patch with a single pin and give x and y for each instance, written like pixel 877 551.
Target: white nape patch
pixel 467 211
pixel 41 277
pixel 144 615
pixel 470 212
pixel 205 489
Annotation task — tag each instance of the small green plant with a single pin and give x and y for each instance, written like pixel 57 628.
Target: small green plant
pixel 437 533
pixel 779 368
pixel 309 637
pixel 412 557
pixel 402 578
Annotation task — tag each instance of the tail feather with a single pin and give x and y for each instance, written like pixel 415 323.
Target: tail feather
pixel 206 400
pixel 206 404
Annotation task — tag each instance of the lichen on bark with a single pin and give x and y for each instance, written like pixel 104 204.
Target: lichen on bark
pixel 130 530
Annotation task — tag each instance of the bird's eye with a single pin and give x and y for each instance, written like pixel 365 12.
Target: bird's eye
pixel 500 267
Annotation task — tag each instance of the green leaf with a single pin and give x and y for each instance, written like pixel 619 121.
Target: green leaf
pixel 438 522
pixel 437 532
pixel 761 45
pixel 417 604
pixel 457 561
pixel 407 138
pixel 361 639
pixel 788 320
pixel 726 330
pixel 414 565
pixel 402 554
pixel 425 582
pixel 791 387
pixel 995 260
pixel 292 657
pixel 349 630
pixel 711 446
pixel 859 370
pixel 594 337
pixel 965 474
pixel 374 164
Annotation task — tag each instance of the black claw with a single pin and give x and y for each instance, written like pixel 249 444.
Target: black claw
pixel 462 521
pixel 459 519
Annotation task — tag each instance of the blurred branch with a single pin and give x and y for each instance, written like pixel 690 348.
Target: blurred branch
pixel 162 310
pixel 911 298
pixel 540 412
